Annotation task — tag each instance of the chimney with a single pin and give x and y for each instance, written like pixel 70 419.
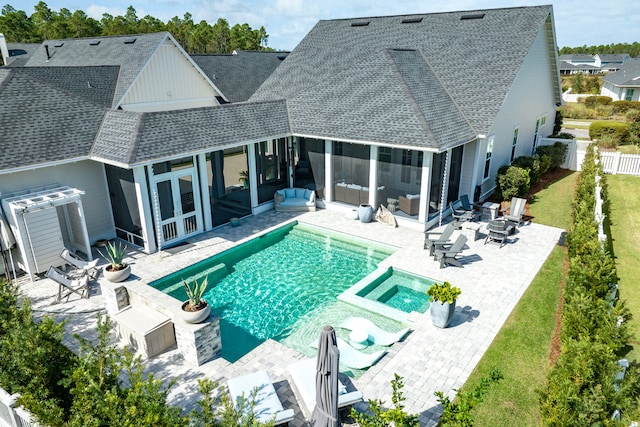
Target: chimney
pixel 4 50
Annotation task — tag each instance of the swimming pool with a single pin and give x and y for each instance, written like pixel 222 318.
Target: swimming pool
pixel 261 288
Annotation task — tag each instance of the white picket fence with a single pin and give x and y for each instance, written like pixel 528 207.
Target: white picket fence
pixel 12 416
pixel 618 163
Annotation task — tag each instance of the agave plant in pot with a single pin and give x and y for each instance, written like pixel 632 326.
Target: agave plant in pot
pixel 117 270
pixel 195 309
pixel 443 303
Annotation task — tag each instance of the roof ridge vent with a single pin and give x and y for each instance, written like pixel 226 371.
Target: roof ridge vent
pixel 412 20
pixel 472 16
pixel 360 23
pixel 131 40
pixel 59 44
pixel 94 42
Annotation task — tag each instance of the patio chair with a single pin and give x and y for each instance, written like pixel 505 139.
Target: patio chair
pixel 515 211
pixel 303 382
pixel 498 231
pixel 68 285
pixel 467 205
pixel 267 404
pixel 376 335
pixel 353 358
pixel 459 214
pixel 447 256
pixel 434 238
pixel 79 266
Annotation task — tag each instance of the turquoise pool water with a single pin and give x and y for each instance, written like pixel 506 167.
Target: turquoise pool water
pixel 400 290
pixel 261 288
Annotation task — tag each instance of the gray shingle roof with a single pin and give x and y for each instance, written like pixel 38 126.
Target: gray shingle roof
pixel 135 138
pixel 627 75
pixel 475 62
pixel 239 75
pixel 51 114
pixel 19 53
pixel 131 57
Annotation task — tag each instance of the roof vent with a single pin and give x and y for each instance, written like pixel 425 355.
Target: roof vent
pixel 472 16
pixel 360 23
pixel 60 44
pixel 130 41
pixel 412 20
pixel 94 43
pixel 281 57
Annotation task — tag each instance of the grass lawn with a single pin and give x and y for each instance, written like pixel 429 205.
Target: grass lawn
pixel 625 233
pixel 522 347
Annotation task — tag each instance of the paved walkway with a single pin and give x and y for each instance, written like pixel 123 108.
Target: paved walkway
pixel 430 359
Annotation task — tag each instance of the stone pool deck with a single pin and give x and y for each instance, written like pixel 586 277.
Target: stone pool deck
pixel 430 359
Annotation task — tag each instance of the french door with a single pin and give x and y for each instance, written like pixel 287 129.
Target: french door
pixel 177 206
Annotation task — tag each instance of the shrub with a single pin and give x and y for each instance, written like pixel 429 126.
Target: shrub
pixel 592 101
pixel 545 163
pixel 557 123
pixel 620 131
pixel 621 107
pixel 512 182
pixel 380 416
pixel 557 152
pixel 531 165
pixel 608 142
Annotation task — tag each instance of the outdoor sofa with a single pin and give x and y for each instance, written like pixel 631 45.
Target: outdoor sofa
pixel 294 199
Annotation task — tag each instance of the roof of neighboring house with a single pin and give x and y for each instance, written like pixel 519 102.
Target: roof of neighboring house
pixel 130 52
pixel 613 57
pixel 627 75
pixel 51 114
pixel 577 57
pixel 360 79
pixel 238 75
pixel 19 53
pixel 130 138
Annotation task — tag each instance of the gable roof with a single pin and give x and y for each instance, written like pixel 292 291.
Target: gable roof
pixel 238 75
pixel 627 75
pixel 130 52
pixel 19 53
pixel 51 114
pixel 473 58
pixel 131 138
pixel 613 57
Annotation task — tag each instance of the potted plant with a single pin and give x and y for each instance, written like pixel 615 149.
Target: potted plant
pixel 195 309
pixel 443 303
pixel 117 270
pixel 244 179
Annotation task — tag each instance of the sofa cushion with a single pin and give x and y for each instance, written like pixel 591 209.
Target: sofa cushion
pixel 307 195
pixel 290 192
pixel 300 193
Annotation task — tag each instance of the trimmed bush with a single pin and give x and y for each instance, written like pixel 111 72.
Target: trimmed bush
pixel 557 152
pixel 513 182
pixel 621 107
pixel 592 101
pixel 620 131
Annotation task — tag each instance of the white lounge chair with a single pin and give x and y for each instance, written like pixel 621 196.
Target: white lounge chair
pixel 79 286
pixel 355 359
pixel 303 381
pixel 376 335
pixel 80 266
pixel 267 404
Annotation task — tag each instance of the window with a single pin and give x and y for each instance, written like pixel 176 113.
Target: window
pixel 513 145
pixel 629 95
pixel 487 159
pixel 384 159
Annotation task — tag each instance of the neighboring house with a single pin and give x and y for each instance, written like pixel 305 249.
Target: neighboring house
pixel 611 62
pixel 591 64
pixel 624 84
pixel 132 134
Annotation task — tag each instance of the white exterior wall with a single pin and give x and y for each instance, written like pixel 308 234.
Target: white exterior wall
pixel 612 91
pixel 530 97
pixel 87 176
pixel 157 89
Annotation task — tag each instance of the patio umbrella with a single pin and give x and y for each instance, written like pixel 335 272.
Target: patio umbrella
pixel 325 414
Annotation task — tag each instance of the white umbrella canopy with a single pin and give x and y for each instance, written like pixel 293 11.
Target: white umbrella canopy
pixel 325 414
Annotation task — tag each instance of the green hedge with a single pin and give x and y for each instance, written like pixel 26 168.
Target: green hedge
pixel 621 107
pixel 557 152
pixel 581 387
pixel 592 101
pixel 619 131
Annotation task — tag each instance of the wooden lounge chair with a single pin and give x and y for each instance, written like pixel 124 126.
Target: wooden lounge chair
pixel 515 211
pixel 267 404
pixel 459 214
pixel 435 238
pixel 79 266
pixel 498 231
pixel 68 285
pixel 447 255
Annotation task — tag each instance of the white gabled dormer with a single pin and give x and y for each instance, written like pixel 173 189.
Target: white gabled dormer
pixel 170 80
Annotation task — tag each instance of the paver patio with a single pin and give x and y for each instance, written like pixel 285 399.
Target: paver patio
pixel 430 359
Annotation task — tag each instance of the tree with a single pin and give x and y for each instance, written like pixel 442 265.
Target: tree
pixel 17 27
pixel 577 83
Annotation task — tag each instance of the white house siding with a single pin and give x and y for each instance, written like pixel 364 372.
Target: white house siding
pixel 87 176
pixel 45 239
pixel 157 89
pixel 467 184
pixel 530 97
pixel 610 90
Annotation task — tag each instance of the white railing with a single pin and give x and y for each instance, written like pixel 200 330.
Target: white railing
pixel 616 162
pixel 12 416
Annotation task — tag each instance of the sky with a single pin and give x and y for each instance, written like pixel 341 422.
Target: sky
pixel 578 22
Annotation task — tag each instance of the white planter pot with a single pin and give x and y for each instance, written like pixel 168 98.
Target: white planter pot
pixel 441 313
pixel 195 316
pixel 117 275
